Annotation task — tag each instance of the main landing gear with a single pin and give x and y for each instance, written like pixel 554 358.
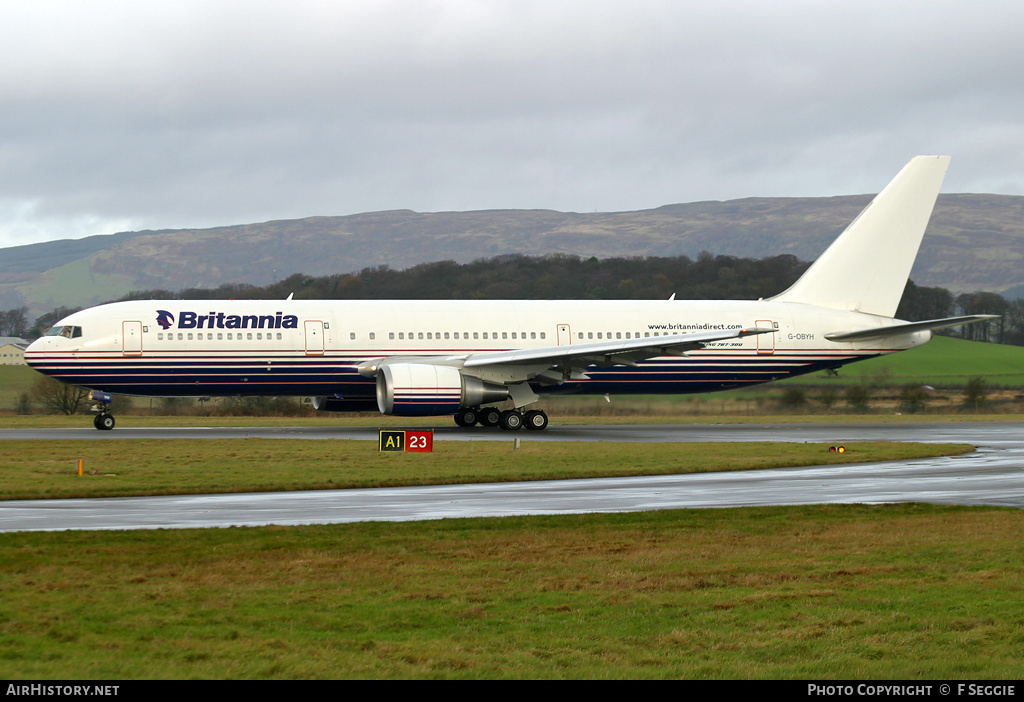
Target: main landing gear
pixel 510 420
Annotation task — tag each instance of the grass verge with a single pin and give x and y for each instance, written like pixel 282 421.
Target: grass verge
pixel 31 469
pixel 847 592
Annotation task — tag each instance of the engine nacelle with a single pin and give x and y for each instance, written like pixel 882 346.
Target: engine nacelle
pixel 422 390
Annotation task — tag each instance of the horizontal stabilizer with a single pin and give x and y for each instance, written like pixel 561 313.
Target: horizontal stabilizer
pixel 907 328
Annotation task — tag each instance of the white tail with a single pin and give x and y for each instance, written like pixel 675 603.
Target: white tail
pixel 867 267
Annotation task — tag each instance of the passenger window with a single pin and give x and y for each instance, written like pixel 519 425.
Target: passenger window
pixel 372 336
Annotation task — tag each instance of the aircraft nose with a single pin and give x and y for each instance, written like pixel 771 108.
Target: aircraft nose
pixel 34 350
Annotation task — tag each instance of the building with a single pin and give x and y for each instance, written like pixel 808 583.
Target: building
pixel 12 351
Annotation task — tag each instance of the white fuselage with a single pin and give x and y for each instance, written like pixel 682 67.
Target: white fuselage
pixel 313 347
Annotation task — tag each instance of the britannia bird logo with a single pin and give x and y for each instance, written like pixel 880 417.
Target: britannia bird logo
pixel 164 318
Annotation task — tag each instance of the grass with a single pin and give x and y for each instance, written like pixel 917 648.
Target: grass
pixel 826 592
pixel 35 470
pixel 66 284
pixel 942 362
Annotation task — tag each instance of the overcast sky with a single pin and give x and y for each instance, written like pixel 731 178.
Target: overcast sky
pixel 165 114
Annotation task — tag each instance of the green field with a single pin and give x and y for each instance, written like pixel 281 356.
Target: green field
pixel 942 362
pixel 14 380
pixel 829 592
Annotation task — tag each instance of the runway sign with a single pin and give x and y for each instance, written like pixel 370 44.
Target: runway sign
pixel 415 441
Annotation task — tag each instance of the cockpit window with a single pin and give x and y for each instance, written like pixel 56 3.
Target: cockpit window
pixel 67 331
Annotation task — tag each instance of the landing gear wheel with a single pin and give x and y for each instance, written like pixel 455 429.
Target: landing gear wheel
pixel 490 416
pixel 467 417
pixel 104 421
pixel 536 420
pixel 511 420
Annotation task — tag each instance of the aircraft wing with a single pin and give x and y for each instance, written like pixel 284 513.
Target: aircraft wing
pixel 609 353
pixel 907 328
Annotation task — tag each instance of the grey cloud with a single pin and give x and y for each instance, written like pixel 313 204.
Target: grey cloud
pixel 196 114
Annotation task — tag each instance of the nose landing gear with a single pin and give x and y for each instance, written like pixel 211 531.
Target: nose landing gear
pixel 104 420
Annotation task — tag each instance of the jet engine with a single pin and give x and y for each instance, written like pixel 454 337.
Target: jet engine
pixel 422 389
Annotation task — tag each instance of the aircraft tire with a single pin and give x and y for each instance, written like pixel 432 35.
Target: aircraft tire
pixel 467 417
pixel 490 416
pixel 104 422
pixel 536 420
pixel 511 420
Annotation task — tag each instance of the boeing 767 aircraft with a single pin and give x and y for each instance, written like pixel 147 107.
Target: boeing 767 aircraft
pixel 465 357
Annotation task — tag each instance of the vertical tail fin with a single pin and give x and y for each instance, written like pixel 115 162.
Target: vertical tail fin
pixel 866 268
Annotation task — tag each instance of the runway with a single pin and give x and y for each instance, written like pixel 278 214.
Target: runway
pixel 993 475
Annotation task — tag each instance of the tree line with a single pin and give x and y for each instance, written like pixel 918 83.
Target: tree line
pixel 566 277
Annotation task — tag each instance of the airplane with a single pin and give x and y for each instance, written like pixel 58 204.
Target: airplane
pixel 464 358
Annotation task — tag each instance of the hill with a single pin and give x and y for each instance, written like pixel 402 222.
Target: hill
pixel 975 242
